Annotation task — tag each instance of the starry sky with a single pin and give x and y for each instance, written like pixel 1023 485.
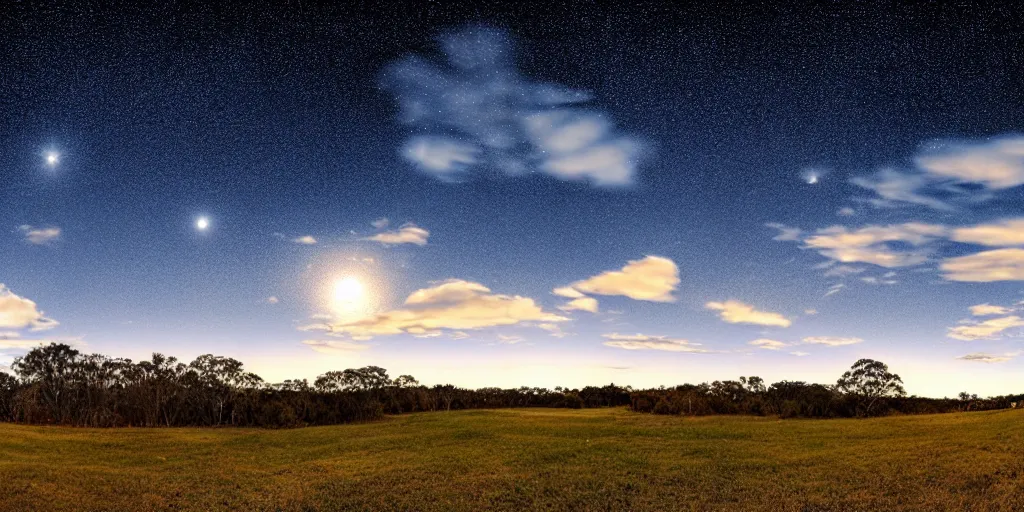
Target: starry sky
pixel 533 195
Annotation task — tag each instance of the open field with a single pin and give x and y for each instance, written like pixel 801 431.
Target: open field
pixel 595 459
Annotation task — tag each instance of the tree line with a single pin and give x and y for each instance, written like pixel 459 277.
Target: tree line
pixel 57 384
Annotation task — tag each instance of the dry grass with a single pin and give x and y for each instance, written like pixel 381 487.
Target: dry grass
pixel 601 459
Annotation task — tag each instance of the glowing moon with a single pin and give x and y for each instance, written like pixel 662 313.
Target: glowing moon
pixel 52 158
pixel 203 224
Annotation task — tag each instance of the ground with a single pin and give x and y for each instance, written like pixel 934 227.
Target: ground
pixel 595 459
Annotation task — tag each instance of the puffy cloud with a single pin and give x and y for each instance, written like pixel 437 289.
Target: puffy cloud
pixel 39 236
pixel 407 234
pixel 767 344
pixel 979 357
pixel 484 114
pixel 831 341
pixel 997 164
pixel 736 312
pixel 989 310
pixel 1003 233
pixel 987 330
pixel 986 266
pixel 335 346
pixel 580 304
pixel 305 240
pixel 20 313
pixel 453 304
pixel 653 278
pixel 645 342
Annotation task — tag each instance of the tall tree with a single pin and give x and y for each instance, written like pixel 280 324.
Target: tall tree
pixel 869 380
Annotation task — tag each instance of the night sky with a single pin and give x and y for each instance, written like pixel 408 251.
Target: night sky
pixel 533 195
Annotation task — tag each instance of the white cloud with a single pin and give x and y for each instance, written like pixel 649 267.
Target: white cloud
pixel 868 244
pixel 440 155
pixel 846 211
pixel 580 304
pixel 335 346
pixel 979 357
pixel 986 266
pixel 40 236
pixel 380 223
pixel 989 310
pixel 272 300
pixel 645 342
pixel 834 289
pixel 1006 232
pixel 736 312
pixel 799 353
pixel 453 304
pixel 768 344
pixel 811 311
pixel 653 279
pixel 509 339
pixel 500 120
pixel 407 234
pixel 305 240
pixel 21 313
pixel 831 341
pixel 996 164
pixel 986 330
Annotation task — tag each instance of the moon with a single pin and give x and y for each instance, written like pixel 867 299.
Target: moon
pixel 202 224
pixel 52 158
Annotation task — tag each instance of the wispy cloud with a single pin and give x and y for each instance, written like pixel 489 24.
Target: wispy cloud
pixel 481 112
pixel 380 223
pixel 40 236
pixel 980 357
pixel 986 266
pixel 305 240
pixel 1003 233
pixel 989 310
pixel 407 234
pixel 986 330
pixel 831 341
pixel 736 312
pixel 768 344
pixel 335 346
pixel 645 342
pixel 588 304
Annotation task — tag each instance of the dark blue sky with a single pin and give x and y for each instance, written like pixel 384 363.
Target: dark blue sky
pixel 538 147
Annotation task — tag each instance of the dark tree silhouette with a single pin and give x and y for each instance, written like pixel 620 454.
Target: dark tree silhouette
pixel 869 381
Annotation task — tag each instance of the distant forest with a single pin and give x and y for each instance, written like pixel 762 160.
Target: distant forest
pixel 56 384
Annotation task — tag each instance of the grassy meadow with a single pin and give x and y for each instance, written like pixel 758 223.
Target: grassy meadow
pixel 527 459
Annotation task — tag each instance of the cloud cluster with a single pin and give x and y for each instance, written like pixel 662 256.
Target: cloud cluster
pixel 951 172
pixel 645 342
pixel 652 278
pixel 454 304
pixel 478 112
pixel 407 234
pixel 736 312
pixel 21 313
pixel 39 236
pixel 913 243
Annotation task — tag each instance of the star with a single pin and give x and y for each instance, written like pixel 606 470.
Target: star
pixel 52 158
pixel 202 224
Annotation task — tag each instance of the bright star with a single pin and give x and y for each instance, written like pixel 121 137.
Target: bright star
pixel 52 158
pixel 202 224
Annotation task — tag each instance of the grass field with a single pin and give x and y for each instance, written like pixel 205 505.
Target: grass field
pixel 598 459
